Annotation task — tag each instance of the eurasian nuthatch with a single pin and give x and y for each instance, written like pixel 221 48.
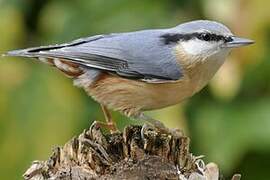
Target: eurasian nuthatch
pixel 144 70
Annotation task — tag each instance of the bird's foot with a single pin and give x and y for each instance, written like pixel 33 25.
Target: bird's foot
pixel 111 126
pixel 160 128
pixel 157 125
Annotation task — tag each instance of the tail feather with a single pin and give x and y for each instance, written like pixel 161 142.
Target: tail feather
pixel 31 52
pixel 70 69
pixel 82 76
pixel 19 53
pixel 35 51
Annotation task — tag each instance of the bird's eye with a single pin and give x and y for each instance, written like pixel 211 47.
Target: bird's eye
pixel 205 37
pixel 228 39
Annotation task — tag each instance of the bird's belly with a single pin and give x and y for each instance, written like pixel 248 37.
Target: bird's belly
pixel 163 95
pixel 131 96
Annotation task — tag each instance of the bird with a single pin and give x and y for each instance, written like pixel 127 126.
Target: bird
pixel 134 72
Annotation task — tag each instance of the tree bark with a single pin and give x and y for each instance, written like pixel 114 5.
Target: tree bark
pixel 133 154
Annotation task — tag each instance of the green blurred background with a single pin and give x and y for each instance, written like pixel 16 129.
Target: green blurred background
pixel 228 121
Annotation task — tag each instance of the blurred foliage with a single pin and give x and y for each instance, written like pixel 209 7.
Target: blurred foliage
pixel 229 121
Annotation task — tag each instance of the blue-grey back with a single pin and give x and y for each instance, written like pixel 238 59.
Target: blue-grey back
pixel 143 51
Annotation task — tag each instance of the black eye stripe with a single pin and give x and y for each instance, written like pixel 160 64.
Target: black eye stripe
pixel 228 39
pixel 174 38
pixel 212 37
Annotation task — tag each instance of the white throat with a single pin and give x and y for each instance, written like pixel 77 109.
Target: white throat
pixel 206 58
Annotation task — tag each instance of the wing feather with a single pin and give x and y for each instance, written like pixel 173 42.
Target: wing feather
pixel 140 55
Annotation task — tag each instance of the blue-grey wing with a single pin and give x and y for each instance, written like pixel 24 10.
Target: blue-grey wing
pixel 140 55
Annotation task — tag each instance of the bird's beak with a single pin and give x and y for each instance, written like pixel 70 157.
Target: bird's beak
pixel 238 42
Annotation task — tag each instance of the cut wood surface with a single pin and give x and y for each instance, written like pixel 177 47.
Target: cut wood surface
pixel 133 154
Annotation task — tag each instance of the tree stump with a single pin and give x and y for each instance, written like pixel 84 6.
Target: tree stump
pixel 131 155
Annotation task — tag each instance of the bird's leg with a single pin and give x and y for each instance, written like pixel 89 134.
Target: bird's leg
pixel 109 124
pixel 157 125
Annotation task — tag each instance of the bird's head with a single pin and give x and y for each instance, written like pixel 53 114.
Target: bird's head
pixel 205 39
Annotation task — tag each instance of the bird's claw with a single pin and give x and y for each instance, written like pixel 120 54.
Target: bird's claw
pixel 163 130
pixel 107 125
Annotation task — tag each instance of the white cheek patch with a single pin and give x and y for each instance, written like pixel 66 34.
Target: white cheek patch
pixel 197 47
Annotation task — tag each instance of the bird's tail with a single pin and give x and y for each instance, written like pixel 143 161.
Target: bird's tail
pixel 33 52
pixel 30 53
pixel 19 53
pixel 71 69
